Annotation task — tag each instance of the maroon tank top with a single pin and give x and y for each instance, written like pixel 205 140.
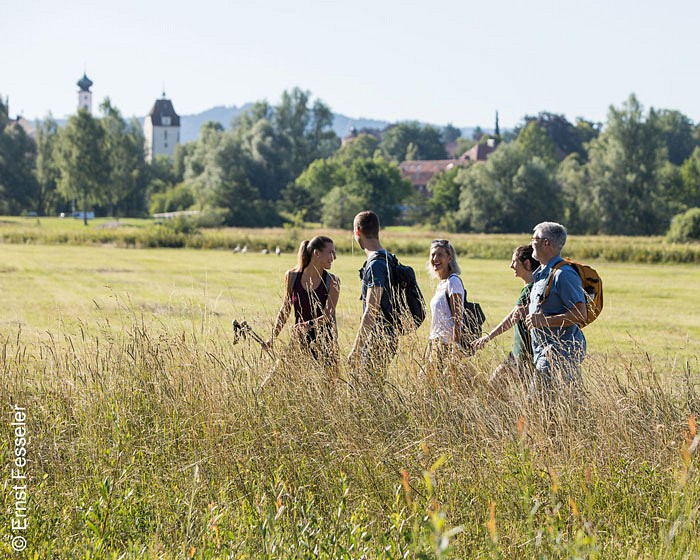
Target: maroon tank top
pixel 309 305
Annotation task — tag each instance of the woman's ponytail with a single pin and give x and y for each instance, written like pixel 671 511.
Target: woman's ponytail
pixel 303 256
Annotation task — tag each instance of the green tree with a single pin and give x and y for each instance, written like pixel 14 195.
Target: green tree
pixel 685 227
pixel 410 140
pixel 690 177
pixel 361 147
pixel 536 142
pixel 177 198
pixel 587 131
pixel 450 134
pixel 511 192
pixel 443 203
pixel 17 159
pixel 315 182
pixel 580 214
pixel 340 206
pixel 82 162
pixel 563 135
pixel 202 170
pixel 127 176
pixel 47 172
pixel 624 166
pixel 379 185
pixel 283 140
pixel 677 131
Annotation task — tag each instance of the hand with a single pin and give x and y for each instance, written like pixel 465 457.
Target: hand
pixel 536 320
pixel 479 343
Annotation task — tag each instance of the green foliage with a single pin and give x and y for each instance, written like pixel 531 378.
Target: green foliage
pixel 411 140
pixel 47 172
pixel 677 131
pixel 566 138
pixel 512 191
pixel 123 150
pixel 625 161
pixel 248 170
pixel 314 183
pixel 580 214
pixel 18 185
pixel 380 186
pixel 179 197
pixel 685 227
pixel 82 164
pixel 340 206
pixel 690 175
pixel 362 146
pixel 450 134
pixel 535 142
pixel 444 200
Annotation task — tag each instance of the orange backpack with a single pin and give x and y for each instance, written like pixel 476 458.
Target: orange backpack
pixel 592 285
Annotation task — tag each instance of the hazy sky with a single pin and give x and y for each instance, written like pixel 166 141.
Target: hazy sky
pixel 449 61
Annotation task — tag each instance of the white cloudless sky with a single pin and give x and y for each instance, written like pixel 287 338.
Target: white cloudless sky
pixel 443 61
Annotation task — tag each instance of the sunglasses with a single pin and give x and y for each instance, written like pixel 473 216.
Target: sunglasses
pixel 441 242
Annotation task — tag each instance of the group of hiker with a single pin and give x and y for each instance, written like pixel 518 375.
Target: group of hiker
pixel 548 345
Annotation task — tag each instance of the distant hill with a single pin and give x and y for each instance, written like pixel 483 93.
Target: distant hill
pixel 190 125
pixel 342 125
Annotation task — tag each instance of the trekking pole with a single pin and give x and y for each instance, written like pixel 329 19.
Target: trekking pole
pixel 242 330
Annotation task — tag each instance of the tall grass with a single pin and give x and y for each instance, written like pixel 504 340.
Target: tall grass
pixel 156 441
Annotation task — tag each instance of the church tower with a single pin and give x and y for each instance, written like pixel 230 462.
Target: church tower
pixel 161 129
pixel 84 94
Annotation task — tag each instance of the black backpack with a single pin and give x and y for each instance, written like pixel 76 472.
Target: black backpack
pixel 473 319
pixel 407 303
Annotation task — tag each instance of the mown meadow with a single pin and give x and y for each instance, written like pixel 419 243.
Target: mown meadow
pixel 149 435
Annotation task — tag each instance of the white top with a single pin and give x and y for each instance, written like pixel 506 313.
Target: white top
pixel 442 323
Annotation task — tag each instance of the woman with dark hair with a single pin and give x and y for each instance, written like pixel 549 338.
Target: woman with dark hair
pixel 313 293
pixel 523 264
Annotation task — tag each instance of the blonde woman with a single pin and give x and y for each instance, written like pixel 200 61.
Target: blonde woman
pixel 446 305
pixel 313 293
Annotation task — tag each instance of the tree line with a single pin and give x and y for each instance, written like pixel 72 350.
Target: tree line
pixel 283 163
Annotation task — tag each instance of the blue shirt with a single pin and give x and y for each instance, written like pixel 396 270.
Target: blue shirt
pixel 375 272
pixel 566 345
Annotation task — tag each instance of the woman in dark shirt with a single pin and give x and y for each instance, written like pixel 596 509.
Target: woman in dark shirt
pixel 313 293
pixel 520 358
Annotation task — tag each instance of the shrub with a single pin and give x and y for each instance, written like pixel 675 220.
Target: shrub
pixel 685 227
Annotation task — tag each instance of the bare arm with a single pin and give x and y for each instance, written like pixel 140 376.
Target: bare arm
pixel 283 313
pixel 332 301
pixel 516 314
pixel 573 316
pixel 456 306
pixel 372 307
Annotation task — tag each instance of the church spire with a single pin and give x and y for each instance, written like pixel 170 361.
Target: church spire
pixel 84 94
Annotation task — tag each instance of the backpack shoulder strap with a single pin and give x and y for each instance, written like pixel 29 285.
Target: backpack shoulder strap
pixel 551 276
pixel 463 288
